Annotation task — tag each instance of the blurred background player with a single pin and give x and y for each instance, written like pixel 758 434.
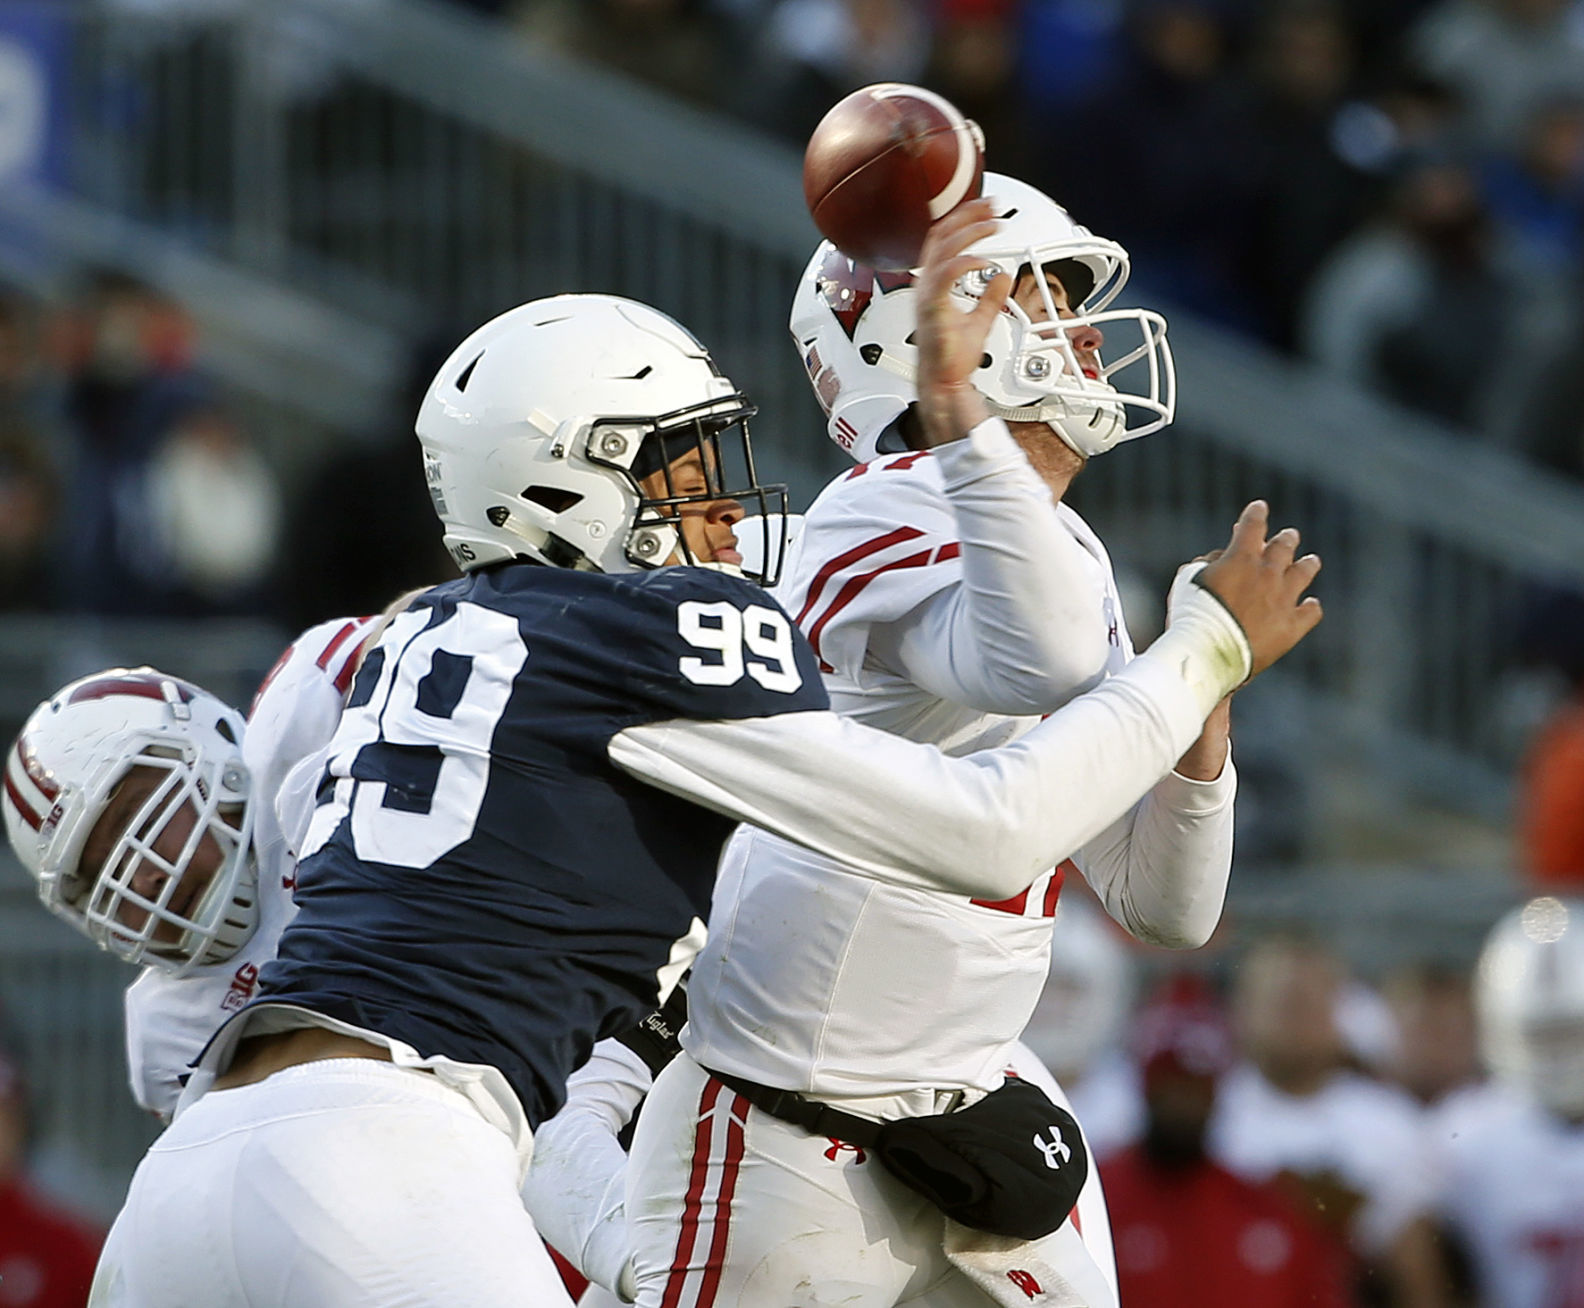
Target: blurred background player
pixel 1187 1230
pixel 381 1052
pixel 879 1000
pixel 1351 1150
pixel 1513 1150
pixel 47 1254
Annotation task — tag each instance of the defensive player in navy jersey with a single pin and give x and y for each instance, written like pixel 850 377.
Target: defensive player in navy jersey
pixel 521 812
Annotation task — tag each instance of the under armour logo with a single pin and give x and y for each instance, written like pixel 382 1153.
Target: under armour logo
pixel 1025 1282
pixel 836 1147
pixel 1055 1149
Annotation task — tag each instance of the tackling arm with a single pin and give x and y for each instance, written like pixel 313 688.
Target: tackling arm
pixel 576 1185
pixel 979 825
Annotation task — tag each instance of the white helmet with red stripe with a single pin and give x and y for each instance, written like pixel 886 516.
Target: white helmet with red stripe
pixel 854 328
pixel 173 881
pixel 1529 996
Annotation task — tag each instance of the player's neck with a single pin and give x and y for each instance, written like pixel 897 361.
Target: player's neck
pixel 1054 461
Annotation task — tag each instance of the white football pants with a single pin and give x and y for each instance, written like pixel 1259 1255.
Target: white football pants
pixel 345 1183
pixel 729 1206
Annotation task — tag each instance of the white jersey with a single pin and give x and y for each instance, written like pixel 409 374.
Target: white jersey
pixel 1370 1136
pixel 1512 1187
pixel 949 603
pixel 170 1019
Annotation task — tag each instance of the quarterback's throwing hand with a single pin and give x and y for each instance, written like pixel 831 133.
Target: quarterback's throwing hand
pixel 1262 584
pixel 950 341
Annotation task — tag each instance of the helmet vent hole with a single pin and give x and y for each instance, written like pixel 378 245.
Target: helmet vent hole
pixel 466 374
pixel 224 729
pixel 1010 213
pixel 911 339
pixel 869 353
pixel 553 498
pixel 641 373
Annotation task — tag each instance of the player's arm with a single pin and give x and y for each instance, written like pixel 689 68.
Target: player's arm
pixel 575 1188
pixel 1023 577
pixel 986 824
pixel 576 1185
pixel 1161 870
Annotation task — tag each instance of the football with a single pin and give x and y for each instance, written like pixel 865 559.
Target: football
pixel 884 164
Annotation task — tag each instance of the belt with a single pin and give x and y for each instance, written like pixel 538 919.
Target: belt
pixel 261 1056
pixel 814 1117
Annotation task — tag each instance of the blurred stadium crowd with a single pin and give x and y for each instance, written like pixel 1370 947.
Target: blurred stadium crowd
pixel 1394 188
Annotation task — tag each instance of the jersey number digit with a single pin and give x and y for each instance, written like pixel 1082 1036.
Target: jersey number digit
pixel 413 751
pixel 731 634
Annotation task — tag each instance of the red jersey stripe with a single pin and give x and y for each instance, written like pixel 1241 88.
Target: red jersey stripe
pixel 343 678
pixel 1016 905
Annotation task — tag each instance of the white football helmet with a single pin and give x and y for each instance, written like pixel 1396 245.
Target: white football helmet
pixel 854 327
pixel 1529 996
pixel 1084 1006
pixel 538 428
pixel 66 768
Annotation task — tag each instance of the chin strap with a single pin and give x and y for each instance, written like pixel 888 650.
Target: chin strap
pixel 1087 426
pixel 1102 428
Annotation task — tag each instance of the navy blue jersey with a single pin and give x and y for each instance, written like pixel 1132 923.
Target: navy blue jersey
pixel 482 882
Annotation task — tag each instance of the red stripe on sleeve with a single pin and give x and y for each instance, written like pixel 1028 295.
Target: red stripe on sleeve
pixel 336 641
pixel 1016 905
pixel 268 678
pixel 343 678
pixel 848 557
pixel 854 587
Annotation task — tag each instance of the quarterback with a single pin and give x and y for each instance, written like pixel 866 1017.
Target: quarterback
pixel 936 621
pixel 521 810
